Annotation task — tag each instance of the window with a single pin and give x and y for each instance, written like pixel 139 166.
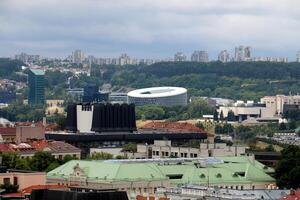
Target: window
pixel 175 176
pixel 6 180
pixel 15 180
pixel 167 153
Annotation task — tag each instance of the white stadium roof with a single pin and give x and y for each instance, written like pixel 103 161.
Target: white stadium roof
pixel 156 92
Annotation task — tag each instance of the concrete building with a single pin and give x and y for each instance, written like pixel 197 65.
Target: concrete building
pixel 269 59
pixel 276 104
pixel 199 56
pixel 36 85
pixel 179 56
pixel 78 56
pixel 27 133
pixel 165 96
pixel 224 56
pixel 164 149
pixel 146 175
pixel 246 110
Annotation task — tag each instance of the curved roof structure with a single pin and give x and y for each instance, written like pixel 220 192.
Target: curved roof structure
pixel 156 92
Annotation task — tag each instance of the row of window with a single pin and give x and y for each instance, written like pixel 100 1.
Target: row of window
pixel 175 154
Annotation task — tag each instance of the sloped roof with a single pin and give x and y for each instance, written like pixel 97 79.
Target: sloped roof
pixel 235 170
pixel 104 171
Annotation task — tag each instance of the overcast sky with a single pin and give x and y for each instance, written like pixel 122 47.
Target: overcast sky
pixel 149 28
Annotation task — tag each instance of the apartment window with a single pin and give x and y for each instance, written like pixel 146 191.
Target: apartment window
pixel 145 190
pixel 176 154
pixel 191 155
pixel 242 187
pixel 157 153
pixel 167 153
pixel 185 155
pixel 181 155
pixel 153 152
pixel 195 155
pixel 237 187
pixel 163 153
pixel 60 157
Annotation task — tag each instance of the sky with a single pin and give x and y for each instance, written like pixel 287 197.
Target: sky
pixel 149 28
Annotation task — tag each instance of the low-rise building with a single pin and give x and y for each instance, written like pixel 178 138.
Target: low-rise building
pixel 146 175
pixel 58 149
pixel 164 149
pixel 23 179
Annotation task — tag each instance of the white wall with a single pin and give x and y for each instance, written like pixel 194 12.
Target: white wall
pixel 84 119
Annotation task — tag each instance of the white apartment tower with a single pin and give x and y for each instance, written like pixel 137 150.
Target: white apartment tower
pixel 298 56
pixel 199 56
pixel 179 56
pixel 78 56
pixel 242 53
pixel 224 56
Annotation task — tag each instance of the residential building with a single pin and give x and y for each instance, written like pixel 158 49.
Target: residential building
pixel 8 134
pixel 224 56
pixel 22 179
pixel 199 56
pixel 179 56
pixel 269 59
pixel 27 133
pixel 144 176
pixel 55 106
pixel 78 56
pixel 26 58
pixel 298 57
pixel 242 53
pixel 36 85
pixel 124 59
pixel 58 149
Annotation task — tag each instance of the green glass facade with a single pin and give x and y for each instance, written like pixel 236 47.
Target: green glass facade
pixel 36 94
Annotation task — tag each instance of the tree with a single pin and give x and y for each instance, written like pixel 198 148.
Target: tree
pixel 282 126
pixel 41 161
pixel 216 115
pixel 101 156
pixel 287 172
pixel 230 116
pixel 130 147
pixel 22 164
pixel 292 125
pixel 221 115
pixel 198 108
pixel 9 188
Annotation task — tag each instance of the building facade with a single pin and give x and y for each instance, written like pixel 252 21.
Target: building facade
pixel 179 57
pixel 36 85
pixel 199 56
pixel 224 56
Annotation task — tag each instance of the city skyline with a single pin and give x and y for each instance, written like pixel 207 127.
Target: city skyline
pixel 152 29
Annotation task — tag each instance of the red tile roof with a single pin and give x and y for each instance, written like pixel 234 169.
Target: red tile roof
pixel 174 127
pixel 294 195
pixel 8 131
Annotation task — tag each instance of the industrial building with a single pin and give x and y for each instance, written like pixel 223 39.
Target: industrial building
pixel 165 96
pixel 146 176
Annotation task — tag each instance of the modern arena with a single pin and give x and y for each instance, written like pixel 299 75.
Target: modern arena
pixel 164 96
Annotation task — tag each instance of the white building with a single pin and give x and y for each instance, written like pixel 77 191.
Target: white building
pixel 78 56
pixel 166 96
pixel 179 56
pixel 242 53
pixel 224 56
pixel 199 56
pixel 298 56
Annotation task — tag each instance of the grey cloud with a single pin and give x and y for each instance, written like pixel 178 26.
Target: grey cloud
pixel 147 27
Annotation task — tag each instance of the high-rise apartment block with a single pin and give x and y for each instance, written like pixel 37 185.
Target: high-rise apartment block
pixel 36 95
pixel 199 56
pixel 298 56
pixel 224 56
pixel 179 56
pixel 78 56
pixel 242 53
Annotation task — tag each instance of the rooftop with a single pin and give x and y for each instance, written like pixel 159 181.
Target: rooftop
pixel 235 170
pixel 37 72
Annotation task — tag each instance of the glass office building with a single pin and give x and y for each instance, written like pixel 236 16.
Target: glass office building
pixel 36 85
